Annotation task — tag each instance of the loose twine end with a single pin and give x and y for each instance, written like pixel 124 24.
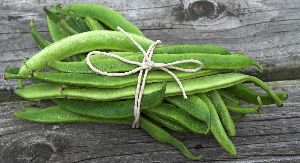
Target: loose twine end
pixel 144 67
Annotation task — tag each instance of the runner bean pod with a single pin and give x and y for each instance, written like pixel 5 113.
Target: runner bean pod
pixel 179 116
pixel 79 43
pixel 222 111
pixel 163 136
pixel 217 129
pixel 210 62
pixel 105 15
pixel 192 86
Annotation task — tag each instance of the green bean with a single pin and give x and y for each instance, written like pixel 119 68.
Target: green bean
pixel 217 129
pixel 247 94
pixel 11 70
pixel 243 109
pixel 95 80
pixel 186 48
pixel 179 116
pixel 103 14
pixel 193 106
pixel 222 111
pixel 41 42
pixel 111 109
pixel 60 21
pixel 77 24
pixel 122 54
pixel 54 30
pixel 72 23
pixel 80 43
pixel 228 96
pixel 167 123
pixel 178 49
pixel 210 62
pixel 191 86
pixel 163 136
pixel 93 24
pixel 56 114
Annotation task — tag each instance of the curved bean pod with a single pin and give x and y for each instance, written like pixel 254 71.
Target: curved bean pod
pixel 54 30
pixel 243 109
pixel 210 62
pixel 167 123
pixel 111 109
pixel 228 96
pixel 249 95
pixel 99 81
pixel 163 136
pixel 194 106
pixel 56 114
pixel 191 86
pixel 179 116
pixel 107 16
pixel 80 43
pixel 62 23
pixel 93 24
pixel 77 24
pixel 186 48
pixel 217 129
pixel 222 111
pixel 40 41
pixel 11 71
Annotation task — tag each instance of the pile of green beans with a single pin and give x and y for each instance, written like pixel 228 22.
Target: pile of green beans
pixel 218 97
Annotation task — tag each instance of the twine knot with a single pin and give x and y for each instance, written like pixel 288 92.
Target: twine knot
pixel 144 67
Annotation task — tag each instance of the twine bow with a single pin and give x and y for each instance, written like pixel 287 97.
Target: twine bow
pixel 144 67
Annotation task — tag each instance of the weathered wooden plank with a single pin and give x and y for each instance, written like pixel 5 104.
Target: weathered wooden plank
pixel 273 136
pixel 267 30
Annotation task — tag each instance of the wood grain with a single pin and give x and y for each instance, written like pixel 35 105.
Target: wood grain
pixel 267 30
pixel 271 136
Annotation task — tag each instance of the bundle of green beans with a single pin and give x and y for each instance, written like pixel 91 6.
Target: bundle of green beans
pixel 60 73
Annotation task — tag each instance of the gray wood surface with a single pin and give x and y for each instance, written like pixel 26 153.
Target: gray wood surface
pixel 271 136
pixel 267 30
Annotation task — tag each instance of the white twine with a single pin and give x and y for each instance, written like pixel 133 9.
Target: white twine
pixel 144 67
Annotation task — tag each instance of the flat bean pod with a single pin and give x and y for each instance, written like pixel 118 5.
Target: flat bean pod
pixel 249 95
pixel 243 109
pixel 80 43
pixel 56 114
pixel 193 106
pixel 163 136
pixel 100 81
pixel 222 111
pixel 11 70
pixel 93 24
pixel 187 48
pixel 191 86
pixel 167 123
pixel 103 14
pixel 61 22
pixel 179 116
pixel 54 30
pixel 41 42
pixel 228 96
pixel 217 129
pixel 110 109
pixel 210 62
pixel 77 23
